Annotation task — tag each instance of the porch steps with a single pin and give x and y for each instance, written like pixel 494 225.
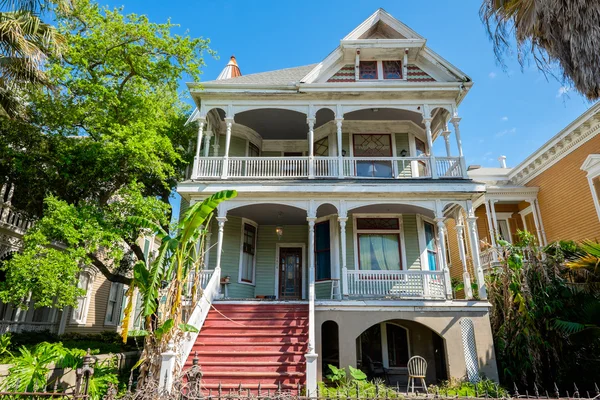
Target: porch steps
pixel 252 344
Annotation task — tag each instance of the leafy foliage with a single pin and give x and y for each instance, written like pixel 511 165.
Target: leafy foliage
pixel 540 309
pixel 459 388
pixel 356 386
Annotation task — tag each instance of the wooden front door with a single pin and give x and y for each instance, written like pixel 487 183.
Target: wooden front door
pixel 290 273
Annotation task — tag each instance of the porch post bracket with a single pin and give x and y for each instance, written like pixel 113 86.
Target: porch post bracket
pixel 460 228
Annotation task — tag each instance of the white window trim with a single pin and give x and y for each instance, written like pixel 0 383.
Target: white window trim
pixel 524 213
pixel 380 76
pixel 423 245
pixel 304 274
pixel 384 344
pixel 87 299
pixel 116 320
pixel 400 232
pixel 333 245
pixel 591 165
pixel 254 224
pixel 505 216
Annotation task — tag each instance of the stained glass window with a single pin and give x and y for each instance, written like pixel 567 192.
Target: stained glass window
pixel 392 70
pixel 377 223
pixel 322 147
pixel 372 146
pixel 368 70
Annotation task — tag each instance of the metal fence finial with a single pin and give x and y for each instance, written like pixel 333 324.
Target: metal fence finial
pixel 516 390
pixel 576 392
pixel 556 392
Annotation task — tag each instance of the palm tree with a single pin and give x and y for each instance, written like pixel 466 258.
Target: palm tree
pixel 563 33
pixel 25 41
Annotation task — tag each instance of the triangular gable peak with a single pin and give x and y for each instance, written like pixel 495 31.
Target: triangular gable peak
pixel 384 39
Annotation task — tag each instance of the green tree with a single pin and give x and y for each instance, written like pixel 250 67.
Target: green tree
pixel 561 34
pixel 108 142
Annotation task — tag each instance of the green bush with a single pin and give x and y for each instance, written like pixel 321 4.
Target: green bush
pixel 460 388
pixel 355 386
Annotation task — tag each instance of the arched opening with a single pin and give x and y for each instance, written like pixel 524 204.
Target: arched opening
pixel 275 123
pixel 330 346
pixel 384 349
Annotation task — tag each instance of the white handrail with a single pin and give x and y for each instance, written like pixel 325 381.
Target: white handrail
pixel 448 167
pixel 209 167
pixel 199 315
pixel 396 284
pixel 268 167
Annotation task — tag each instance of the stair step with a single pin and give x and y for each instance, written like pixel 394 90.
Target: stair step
pixel 249 339
pixel 252 323
pixel 259 317
pixel 253 387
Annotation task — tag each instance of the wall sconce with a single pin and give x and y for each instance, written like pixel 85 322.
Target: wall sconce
pixel 343 153
pixel 279 227
pixel 403 153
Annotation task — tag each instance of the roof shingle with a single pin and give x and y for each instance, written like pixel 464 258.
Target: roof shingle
pixel 278 77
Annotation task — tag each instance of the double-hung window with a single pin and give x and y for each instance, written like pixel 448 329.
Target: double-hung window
pixel 116 296
pixel 79 313
pixel 322 251
pixel 248 253
pixel 430 245
pixel 378 244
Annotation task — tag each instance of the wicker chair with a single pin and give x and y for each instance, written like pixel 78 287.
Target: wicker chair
pixel 417 369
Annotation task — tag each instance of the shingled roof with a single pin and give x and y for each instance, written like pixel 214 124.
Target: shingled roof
pixel 278 77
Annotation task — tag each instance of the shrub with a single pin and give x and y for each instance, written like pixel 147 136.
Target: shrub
pixel 459 388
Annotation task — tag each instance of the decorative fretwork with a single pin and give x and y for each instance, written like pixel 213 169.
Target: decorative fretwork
pixel 322 147
pixel 373 224
pixel 392 70
pixel 368 70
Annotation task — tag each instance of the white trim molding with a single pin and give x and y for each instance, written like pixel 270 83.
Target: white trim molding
pixel 591 165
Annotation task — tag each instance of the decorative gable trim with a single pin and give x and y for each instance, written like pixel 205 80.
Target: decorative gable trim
pixel 584 128
pixel 345 74
pixel 383 16
pixel 416 74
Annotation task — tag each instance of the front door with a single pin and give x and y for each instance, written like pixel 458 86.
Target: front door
pixel 290 273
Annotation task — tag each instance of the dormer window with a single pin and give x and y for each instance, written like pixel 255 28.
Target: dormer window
pixel 368 70
pixel 392 70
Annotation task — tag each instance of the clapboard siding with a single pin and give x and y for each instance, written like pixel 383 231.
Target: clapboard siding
pixel 349 245
pixel 97 310
pixel 237 146
pixel 411 241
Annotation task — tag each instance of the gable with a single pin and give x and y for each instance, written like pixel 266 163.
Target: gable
pixel 347 74
pixel 344 74
pixel 381 30
pixel 416 74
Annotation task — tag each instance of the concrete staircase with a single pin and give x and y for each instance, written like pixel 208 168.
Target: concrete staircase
pixel 253 343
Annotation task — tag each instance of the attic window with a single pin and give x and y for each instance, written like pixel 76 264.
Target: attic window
pixel 368 70
pixel 392 70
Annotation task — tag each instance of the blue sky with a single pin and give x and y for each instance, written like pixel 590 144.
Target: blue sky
pixel 510 112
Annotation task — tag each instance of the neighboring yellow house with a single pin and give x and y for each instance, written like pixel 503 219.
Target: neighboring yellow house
pixel 554 193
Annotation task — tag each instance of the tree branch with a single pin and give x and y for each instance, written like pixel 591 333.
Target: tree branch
pixel 106 272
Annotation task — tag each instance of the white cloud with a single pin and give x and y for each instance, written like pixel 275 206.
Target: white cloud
pixel 492 75
pixel 506 132
pixel 562 91
pixel 505 118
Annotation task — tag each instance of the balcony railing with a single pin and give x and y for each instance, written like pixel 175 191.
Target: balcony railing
pixel 395 284
pixel 329 168
pixel 13 218
pixel 16 327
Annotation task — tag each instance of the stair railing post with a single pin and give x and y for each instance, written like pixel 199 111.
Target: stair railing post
pixel 167 368
pixel 311 356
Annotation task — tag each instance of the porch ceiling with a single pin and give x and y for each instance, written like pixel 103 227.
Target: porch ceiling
pixel 393 209
pixel 271 214
pixel 272 123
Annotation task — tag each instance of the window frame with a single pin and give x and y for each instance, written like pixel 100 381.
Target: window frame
pixel 329 250
pixel 117 306
pixel 421 220
pixel 391 61
pixel 504 217
pixel 400 232
pixel 591 165
pixel 377 64
pixel 86 298
pixel 245 222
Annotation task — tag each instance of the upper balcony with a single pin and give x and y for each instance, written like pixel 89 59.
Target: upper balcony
pixel 286 142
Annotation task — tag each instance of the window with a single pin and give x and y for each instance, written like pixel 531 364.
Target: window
pixel 421 152
pixel 322 147
pixel 591 165
pixel 392 70
pixel 367 70
pixel 248 252
pixel 79 314
pixel 322 251
pixel 253 150
pixel 397 345
pixel 378 244
pixel 430 245
pixel 115 304
pixel 370 146
pixel 138 322
pixel 503 230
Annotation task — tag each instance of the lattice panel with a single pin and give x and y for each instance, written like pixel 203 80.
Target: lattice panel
pixel 468 338
pixel 372 145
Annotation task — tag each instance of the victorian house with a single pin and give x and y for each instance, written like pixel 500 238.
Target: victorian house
pixel 335 250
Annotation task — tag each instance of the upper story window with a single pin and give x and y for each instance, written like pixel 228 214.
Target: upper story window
pixel 253 150
pixel 431 245
pixel 392 70
pixel 368 70
pixel 322 251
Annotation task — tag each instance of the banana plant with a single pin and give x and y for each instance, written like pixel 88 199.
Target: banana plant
pixel 161 283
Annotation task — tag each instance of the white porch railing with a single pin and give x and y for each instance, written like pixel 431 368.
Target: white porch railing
pixel 396 284
pixel 448 167
pixel 329 167
pixel 15 327
pixel 268 167
pixel 13 218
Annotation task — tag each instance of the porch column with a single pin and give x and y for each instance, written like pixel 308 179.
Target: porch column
pixel 472 221
pixel 311 147
pixel 338 124
pixel 541 222
pixel 229 122
pixel 446 135
pixel 311 356
pixel 463 166
pixel 207 137
pixel 492 230
pixel 343 221
pixel 201 122
pixel 207 250
pixel 459 227
pixel 536 221
pixel 432 165
pixel 443 264
pixel 221 219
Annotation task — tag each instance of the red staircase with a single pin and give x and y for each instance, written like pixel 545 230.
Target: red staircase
pixel 249 344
